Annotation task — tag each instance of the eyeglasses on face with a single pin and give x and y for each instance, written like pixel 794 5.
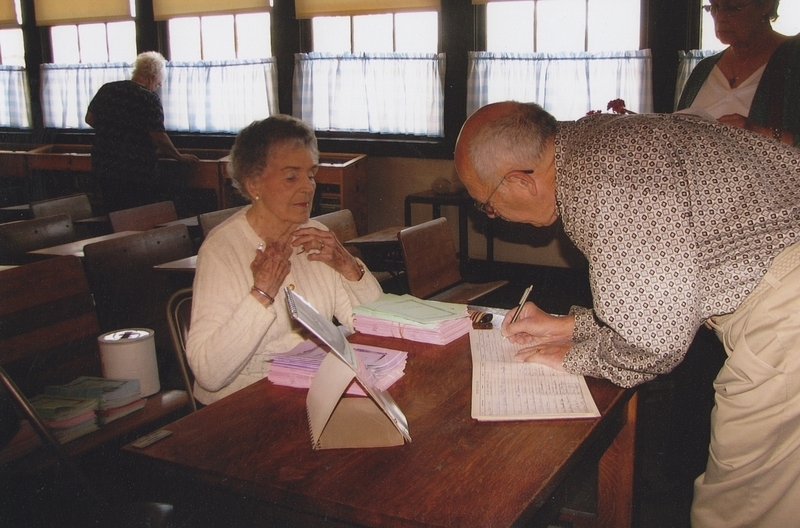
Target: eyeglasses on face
pixel 486 207
pixel 715 9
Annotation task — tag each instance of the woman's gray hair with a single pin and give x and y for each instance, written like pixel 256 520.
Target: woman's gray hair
pixel 149 64
pixel 516 138
pixel 251 150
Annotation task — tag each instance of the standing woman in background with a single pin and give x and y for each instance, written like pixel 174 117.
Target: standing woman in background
pixel 129 134
pixel 755 82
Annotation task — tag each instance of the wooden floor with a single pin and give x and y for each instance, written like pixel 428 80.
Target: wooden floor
pixel 671 449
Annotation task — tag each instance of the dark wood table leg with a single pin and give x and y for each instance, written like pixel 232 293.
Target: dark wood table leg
pixel 615 475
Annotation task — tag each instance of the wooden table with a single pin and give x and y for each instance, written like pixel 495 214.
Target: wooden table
pixel 457 472
pixel 76 248
pixel 184 265
pixel 380 250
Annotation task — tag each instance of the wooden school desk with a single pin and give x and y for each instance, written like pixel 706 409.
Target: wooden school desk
pixel 456 472
pixel 76 248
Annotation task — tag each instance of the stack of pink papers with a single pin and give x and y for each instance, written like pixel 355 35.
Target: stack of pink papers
pixel 408 317
pixel 298 366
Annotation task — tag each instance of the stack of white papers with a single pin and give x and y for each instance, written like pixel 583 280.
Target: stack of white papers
pixel 297 368
pixel 408 317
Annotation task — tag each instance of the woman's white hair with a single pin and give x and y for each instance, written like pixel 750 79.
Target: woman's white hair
pixel 149 64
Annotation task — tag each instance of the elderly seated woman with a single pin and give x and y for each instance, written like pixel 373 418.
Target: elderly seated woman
pixel 239 314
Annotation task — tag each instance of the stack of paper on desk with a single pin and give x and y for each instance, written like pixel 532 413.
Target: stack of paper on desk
pixel 506 389
pixel 408 317
pixel 297 368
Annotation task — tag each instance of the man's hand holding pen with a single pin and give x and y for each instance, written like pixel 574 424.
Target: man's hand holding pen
pixel 549 336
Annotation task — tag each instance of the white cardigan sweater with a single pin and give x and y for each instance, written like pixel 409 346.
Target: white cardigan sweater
pixel 232 336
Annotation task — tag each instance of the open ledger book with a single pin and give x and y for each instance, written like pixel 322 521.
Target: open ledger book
pixel 336 421
pixel 505 389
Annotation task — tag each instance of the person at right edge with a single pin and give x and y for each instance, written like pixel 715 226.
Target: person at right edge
pixel 755 82
pixel 683 222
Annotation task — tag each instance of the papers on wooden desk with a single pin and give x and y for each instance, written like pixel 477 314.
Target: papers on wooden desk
pixel 505 389
pixel 409 317
pixel 298 367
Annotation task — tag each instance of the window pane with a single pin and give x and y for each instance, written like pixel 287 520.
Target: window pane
pixel 560 25
pixel 331 34
pixel 373 33
pixel 12 49
pixel 92 42
pixel 788 21
pixel 64 40
pixel 417 32
pixel 614 25
pixel 509 27
pixel 253 36
pixel 184 39
pixel 218 37
pixel 121 41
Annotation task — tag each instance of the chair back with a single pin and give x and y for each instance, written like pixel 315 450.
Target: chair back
pixel 77 206
pixel 48 324
pixel 209 221
pixel 179 316
pixel 430 257
pixel 128 292
pixel 17 238
pixel 143 217
pixel 341 223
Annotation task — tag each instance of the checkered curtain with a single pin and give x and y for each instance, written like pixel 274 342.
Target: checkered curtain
pixel 568 85
pixel 222 96
pixel 390 93
pixel 219 96
pixel 16 113
pixel 687 60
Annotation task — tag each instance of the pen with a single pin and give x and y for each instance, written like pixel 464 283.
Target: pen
pixel 521 302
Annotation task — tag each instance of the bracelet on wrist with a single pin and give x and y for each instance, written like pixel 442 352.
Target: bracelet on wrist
pixel 777 133
pixel 262 293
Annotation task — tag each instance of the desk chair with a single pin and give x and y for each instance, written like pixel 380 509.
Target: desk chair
pixel 49 337
pixel 130 294
pixel 179 315
pixel 209 221
pixel 143 217
pixel 432 269
pixel 79 209
pixel 17 238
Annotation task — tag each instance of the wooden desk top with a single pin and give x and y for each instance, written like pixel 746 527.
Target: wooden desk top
pixel 456 472
pixel 190 221
pixel 76 248
pixel 384 236
pixel 186 265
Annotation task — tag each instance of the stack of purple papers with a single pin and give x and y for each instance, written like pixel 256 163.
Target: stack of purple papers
pixel 408 317
pixel 297 367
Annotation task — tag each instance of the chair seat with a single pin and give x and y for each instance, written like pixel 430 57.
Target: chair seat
pixel 466 292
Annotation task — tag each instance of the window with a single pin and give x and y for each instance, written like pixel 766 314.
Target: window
pixel 12 47
pixel 373 73
pixel 548 26
pixel 90 43
pixel 13 82
pixel 379 33
pixel 570 56
pixel 788 23
pixel 220 37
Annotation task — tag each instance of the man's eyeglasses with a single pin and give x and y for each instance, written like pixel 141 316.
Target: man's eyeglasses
pixel 485 207
pixel 725 10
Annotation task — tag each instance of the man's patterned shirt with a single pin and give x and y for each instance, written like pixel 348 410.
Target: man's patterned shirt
pixel 679 219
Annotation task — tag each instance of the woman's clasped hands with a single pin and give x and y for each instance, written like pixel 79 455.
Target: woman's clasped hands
pixel 270 267
pixel 325 247
pixel 549 337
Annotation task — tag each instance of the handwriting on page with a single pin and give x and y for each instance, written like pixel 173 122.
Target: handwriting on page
pixel 505 389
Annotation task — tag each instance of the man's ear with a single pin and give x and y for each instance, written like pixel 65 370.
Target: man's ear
pixel 526 181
